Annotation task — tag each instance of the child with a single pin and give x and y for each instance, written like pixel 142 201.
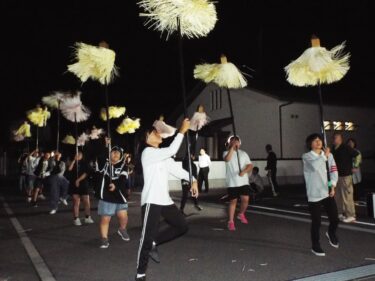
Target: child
pixel 256 182
pixel 111 195
pixel 237 179
pixel 320 192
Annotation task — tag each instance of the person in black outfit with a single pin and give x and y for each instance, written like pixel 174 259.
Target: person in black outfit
pixel 271 169
pixel 112 192
pixel 186 185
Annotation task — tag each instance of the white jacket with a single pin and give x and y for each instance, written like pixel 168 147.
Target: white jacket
pixel 157 164
pixel 315 173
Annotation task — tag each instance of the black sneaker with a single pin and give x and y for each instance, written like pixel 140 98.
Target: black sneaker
pixel 199 208
pixel 154 255
pixel 104 243
pixel 332 239
pixel 123 234
pixel 317 250
pixel 143 278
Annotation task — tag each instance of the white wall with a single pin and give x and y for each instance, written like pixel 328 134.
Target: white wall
pixel 257 122
pixel 288 172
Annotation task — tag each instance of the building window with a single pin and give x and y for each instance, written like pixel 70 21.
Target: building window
pixel 349 126
pixel 327 125
pixel 339 126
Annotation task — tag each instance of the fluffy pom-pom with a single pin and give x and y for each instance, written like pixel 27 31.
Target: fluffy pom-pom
pixel 69 139
pixel 317 65
pixel 113 111
pixel 197 17
pixel 73 109
pixel 128 126
pixel 97 63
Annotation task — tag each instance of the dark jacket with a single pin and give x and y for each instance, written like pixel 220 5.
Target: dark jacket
pixel 39 168
pixel 119 176
pixel 343 156
pixel 271 161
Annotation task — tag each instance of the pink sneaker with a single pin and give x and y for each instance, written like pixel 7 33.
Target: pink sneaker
pixel 231 226
pixel 242 218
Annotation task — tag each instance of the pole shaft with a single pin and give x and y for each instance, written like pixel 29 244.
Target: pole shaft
pixel 183 90
pixel 108 133
pixel 322 129
pixel 233 126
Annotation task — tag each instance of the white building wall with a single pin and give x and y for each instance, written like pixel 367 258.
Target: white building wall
pixel 257 122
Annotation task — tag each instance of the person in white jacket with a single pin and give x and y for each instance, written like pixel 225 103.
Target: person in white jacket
pixel 320 191
pixel 157 164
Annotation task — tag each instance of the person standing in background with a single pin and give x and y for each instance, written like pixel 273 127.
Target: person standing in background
pixel 357 175
pixel 344 155
pixel 204 163
pixel 271 169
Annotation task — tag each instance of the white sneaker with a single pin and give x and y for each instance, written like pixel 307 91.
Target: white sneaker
pixel 349 220
pixel 77 222
pixel 89 220
pixel 62 200
pixel 42 197
pixel 29 199
pixel 53 211
pixel 342 217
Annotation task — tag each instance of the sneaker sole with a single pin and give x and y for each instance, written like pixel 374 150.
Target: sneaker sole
pixel 329 240
pixel 318 254
pixel 104 247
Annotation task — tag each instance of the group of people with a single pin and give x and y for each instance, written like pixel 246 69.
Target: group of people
pixel 327 173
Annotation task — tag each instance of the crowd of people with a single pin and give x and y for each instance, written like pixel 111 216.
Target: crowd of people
pixel 329 174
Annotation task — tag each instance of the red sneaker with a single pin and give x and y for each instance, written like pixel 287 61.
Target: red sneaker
pixel 231 226
pixel 242 218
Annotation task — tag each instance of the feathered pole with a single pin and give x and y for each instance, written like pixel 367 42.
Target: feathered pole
pixel 73 110
pixel 38 116
pixel 53 101
pixel 197 121
pixel 226 75
pixel 190 18
pixel 97 63
pixel 23 133
pixel 317 66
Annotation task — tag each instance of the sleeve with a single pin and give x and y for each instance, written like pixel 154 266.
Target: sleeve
pixel 333 170
pixel 157 155
pixel 312 162
pixel 178 172
pixel 247 159
pixel 357 161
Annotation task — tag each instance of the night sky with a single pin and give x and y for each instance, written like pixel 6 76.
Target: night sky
pixel 264 35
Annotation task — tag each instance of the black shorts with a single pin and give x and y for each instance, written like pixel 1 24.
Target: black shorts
pixel 236 192
pixel 83 189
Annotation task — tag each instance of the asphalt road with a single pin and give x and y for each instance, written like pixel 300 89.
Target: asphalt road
pixel 275 245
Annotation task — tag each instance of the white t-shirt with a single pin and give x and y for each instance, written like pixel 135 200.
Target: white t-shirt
pixel 157 165
pixel 204 161
pixel 233 173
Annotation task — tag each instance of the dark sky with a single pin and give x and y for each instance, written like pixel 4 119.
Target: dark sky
pixel 264 35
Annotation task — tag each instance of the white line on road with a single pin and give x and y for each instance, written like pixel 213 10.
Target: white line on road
pixel 344 275
pixel 40 266
pixel 304 214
